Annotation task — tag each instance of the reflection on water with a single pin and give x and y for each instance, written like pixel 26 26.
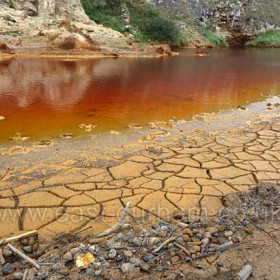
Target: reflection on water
pixel 41 97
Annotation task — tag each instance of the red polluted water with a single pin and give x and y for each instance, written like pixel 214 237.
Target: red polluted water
pixel 46 97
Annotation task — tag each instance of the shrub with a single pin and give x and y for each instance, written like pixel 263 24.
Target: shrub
pixel 215 39
pixel 269 38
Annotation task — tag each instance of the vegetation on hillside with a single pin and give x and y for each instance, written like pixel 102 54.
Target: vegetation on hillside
pixel 214 39
pixel 146 21
pixel 269 38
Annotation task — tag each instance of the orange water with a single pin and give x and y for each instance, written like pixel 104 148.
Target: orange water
pixel 46 97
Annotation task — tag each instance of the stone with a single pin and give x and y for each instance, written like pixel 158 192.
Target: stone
pixel 126 267
pixel 135 261
pixel 112 254
pixel 2 118
pixel 7 252
pixel 148 257
pixel 228 233
pixel 128 254
pixel 28 249
pixel 68 256
pixel 154 241
pixel 8 268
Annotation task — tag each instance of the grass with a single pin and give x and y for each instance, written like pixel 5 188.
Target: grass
pixel 147 23
pixel 214 39
pixel 269 38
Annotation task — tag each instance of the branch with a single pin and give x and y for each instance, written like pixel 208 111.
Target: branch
pixel 116 226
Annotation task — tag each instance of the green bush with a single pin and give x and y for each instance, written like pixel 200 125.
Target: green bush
pixel 269 38
pixel 215 39
pixel 147 22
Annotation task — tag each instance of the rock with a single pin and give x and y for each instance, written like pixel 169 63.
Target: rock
pixel 90 272
pixel 136 241
pixel 228 233
pixel 188 231
pixel 64 271
pixel 28 249
pixel 144 266
pixel 127 253
pixel 7 252
pixel 5 49
pixel 97 272
pixel 41 239
pixel 125 267
pixel 18 275
pixel 249 230
pixel 2 118
pixel 112 254
pixel 83 261
pixel 220 264
pixel 135 261
pixel 154 241
pixel 68 256
pixel 119 258
pixel 186 237
pixel 148 257
pixel 119 237
pixel 8 268
pixel 75 251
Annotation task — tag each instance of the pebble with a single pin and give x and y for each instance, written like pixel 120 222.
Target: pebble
pixel 18 275
pixel 28 249
pixel 220 264
pixel 144 266
pixel 127 253
pixel 67 256
pixel 119 237
pixel 24 241
pixel 8 268
pixel 136 241
pixel 249 230
pixel 135 261
pixel 228 233
pixel 154 241
pixel 188 231
pixel 75 251
pixel 148 257
pixel 180 240
pixel 125 267
pixel 97 272
pixel 119 258
pixel 90 272
pixel 112 254
pixel 7 252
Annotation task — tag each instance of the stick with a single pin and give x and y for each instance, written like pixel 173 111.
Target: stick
pixel 245 273
pixel 164 243
pixel 2 259
pixel 19 253
pixel 182 248
pixel 117 225
pixel 222 247
pixel 18 237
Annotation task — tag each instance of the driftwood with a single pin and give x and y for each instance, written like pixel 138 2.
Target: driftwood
pixel 17 237
pixel 245 273
pixel 164 243
pixel 26 258
pixel 116 226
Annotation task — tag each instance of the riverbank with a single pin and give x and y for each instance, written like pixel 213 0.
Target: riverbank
pixel 174 173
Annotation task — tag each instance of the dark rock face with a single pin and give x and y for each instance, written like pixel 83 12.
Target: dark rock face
pixel 235 20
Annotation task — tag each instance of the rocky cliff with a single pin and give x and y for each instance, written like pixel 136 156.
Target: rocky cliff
pixel 56 25
pixel 235 20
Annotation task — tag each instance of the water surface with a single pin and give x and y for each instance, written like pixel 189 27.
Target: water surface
pixel 46 97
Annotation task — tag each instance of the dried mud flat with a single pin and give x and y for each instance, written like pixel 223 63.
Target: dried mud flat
pixel 68 185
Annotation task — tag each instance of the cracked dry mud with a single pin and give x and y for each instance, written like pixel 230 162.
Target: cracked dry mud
pixel 55 191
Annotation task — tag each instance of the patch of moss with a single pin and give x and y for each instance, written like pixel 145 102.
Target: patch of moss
pixel 269 38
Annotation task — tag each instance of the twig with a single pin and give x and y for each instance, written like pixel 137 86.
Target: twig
pixel 117 225
pixel 16 251
pixel 222 247
pixel 164 243
pixel 18 237
pixel 82 230
pixel 182 248
pixel 25 274
pixel 2 259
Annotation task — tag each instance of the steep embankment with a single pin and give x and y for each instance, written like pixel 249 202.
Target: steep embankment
pixel 57 26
